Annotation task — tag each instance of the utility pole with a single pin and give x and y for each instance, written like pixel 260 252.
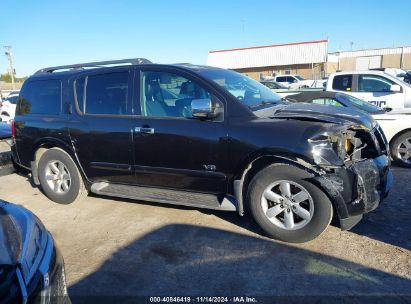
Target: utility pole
pixel 8 54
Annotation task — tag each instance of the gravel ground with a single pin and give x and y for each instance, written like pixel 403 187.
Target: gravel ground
pixel 127 248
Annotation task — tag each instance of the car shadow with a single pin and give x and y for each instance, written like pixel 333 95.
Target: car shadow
pixel 190 260
pixel 390 222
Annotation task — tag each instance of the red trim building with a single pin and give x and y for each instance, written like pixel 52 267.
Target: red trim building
pixel 307 59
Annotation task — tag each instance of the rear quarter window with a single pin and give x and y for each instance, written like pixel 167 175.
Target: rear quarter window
pixel 40 97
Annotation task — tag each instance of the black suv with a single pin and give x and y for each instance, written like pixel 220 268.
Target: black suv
pixel 199 136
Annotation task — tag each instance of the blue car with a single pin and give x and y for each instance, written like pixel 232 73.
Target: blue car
pixel 5 130
pixel 31 266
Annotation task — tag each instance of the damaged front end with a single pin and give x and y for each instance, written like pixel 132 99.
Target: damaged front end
pixel 355 171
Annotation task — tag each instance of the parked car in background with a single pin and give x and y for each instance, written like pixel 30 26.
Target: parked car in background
pixel 5 130
pixel 293 81
pixel 8 107
pixel 274 86
pixel 31 266
pixel 221 141
pixel 406 77
pixel 284 91
pixel 5 93
pixel 377 87
pixel 395 124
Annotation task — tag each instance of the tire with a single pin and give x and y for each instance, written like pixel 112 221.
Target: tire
pixel 71 188
pixel 397 146
pixel 6 163
pixel 317 205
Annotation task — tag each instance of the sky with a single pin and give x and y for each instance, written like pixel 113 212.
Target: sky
pixel 55 32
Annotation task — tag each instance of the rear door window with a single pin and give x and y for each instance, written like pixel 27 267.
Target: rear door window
pixel 342 83
pixel 281 79
pixel 40 97
pixel 104 94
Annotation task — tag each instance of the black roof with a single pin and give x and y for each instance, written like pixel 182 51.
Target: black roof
pixel 308 96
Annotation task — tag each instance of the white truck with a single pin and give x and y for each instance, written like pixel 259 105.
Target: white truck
pixel 376 87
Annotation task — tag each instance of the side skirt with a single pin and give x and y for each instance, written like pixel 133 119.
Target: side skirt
pixel 166 196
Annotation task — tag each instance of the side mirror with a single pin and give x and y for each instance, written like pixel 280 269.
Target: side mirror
pixel 295 81
pixel 395 88
pixel 203 109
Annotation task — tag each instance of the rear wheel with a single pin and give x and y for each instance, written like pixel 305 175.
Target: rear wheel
pixel 401 149
pixel 286 206
pixel 59 177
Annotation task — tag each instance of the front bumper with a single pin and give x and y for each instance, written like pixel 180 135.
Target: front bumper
pixel 358 188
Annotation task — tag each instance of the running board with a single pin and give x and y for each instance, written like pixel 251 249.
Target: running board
pixel 175 197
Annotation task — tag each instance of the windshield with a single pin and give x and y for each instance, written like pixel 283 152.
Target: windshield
pixel 246 90
pixel 358 103
pixel 299 77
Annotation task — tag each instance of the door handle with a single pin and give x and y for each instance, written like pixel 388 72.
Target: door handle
pixel 144 130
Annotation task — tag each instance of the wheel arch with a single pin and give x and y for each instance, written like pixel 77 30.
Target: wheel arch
pixel 398 135
pixel 45 144
pixel 253 165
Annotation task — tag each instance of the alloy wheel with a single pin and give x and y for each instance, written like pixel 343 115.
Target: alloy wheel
pixel 404 150
pixel 287 204
pixel 58 177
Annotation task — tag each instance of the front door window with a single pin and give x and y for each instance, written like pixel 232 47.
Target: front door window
pixel 169 95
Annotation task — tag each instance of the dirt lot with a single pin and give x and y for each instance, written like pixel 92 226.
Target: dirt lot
pixel 127 248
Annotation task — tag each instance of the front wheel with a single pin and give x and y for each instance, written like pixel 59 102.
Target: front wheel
pixel 286 206
pixel 401 150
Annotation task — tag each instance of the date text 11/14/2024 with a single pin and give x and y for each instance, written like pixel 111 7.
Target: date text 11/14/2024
pixel 204 299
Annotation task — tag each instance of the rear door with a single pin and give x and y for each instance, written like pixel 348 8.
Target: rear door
pixel 171 148
pixel 40 115
pixel 376 89
pixel 101 123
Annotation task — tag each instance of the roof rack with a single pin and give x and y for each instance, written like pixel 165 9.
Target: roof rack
pixel 96 64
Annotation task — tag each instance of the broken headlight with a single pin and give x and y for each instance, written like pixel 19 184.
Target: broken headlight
pixel 330 150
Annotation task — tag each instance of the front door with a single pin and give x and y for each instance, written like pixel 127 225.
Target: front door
pixel 376 89
pixel 171 148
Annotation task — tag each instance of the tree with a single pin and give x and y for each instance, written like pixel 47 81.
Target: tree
pixel 5 77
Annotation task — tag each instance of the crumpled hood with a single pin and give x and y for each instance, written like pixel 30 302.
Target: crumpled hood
pixel 330 114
